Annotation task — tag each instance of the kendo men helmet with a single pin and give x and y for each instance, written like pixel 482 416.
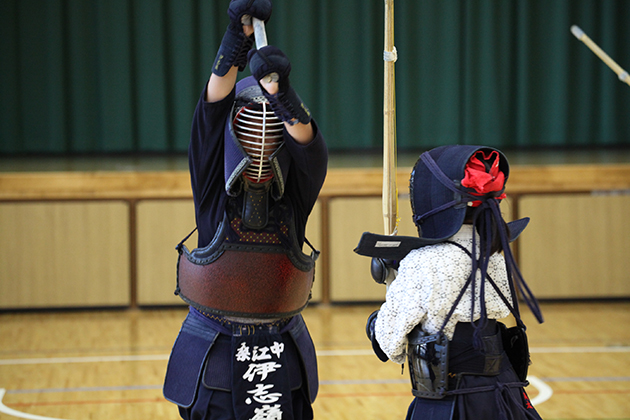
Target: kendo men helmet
pixel 258 131
pixel 446 180
pixel 254 152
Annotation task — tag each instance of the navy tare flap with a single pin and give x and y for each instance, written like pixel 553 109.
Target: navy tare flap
pixel 304 343
pixel 186 362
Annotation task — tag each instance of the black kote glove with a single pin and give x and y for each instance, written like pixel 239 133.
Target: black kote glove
pixel 369 330
pixel 260 9
pixel 383 270
pixel 235 44
pixel 286 103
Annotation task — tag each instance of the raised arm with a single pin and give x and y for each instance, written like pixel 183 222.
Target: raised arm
pixel 235 45
pixel 271 67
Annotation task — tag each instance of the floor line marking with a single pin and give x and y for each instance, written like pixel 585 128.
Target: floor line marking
pixel 85 359
pixel 544 391
pixel 605 349
pixel 85 389
pixel 6 410
pixel 323 382
pixel 320 353
pixel 588 379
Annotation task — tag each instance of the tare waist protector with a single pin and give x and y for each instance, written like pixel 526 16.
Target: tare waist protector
pixel 248 273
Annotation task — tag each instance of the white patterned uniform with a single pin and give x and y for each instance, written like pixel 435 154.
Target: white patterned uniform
pixel 428 282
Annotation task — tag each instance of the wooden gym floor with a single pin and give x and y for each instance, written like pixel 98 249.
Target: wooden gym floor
pixel 110 364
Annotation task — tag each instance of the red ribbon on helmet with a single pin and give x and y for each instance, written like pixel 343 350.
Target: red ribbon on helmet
pixel 482 175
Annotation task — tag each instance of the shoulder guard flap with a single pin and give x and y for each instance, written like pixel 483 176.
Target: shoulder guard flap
pixel 389 246
pixel 396 247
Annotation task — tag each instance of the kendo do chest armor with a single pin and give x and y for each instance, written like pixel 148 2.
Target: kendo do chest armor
pixel 248 273
pixel 254 266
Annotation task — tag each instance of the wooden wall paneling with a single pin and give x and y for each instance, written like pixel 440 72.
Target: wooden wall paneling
pixel 64 254
pixel 49 223
pixel 160 226
pixel 576 245
pixel 350 277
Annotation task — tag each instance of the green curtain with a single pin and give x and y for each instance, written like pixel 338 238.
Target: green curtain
pixel 123 76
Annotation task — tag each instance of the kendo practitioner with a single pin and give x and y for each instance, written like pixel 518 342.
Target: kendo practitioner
pixel 463 363
pixel 257 163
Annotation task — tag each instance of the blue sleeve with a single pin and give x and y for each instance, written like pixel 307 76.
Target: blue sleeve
pixel 205 156
pixel 308 169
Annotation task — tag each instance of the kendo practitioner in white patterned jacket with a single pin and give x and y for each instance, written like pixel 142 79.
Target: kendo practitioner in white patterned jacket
pixel 257 163
pixel 463 363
